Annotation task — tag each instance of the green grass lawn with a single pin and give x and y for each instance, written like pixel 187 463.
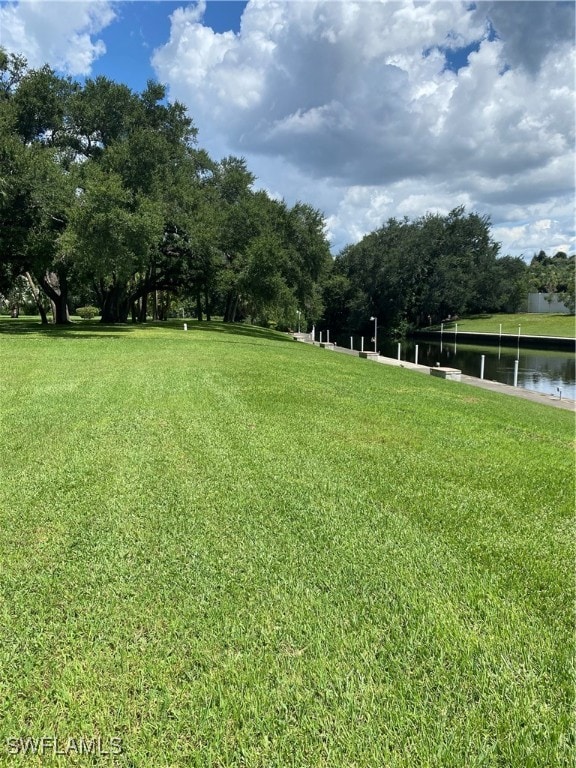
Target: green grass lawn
pixel 226 549
pixel 530 324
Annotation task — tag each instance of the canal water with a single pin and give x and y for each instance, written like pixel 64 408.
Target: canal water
pixel 539 370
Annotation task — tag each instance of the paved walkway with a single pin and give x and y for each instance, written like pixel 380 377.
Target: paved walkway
pixel 493 386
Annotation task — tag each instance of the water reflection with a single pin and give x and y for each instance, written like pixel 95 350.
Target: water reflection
pixel 538 370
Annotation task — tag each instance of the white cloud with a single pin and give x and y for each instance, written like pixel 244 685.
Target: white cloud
pixel 55 32
pixel 542 234
pixel 351 106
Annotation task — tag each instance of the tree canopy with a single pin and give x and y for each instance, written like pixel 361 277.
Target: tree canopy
pixel 413 273
pixel 107 199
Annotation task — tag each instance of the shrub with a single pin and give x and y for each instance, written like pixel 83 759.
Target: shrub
pixel 87 313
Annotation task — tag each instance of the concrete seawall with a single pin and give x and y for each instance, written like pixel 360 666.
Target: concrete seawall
pixel 493 386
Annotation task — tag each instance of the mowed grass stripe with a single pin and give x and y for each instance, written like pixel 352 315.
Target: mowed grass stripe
pixel 234 550
pixel 531 324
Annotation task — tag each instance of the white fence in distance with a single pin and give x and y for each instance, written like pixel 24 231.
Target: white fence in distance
pixel 546 303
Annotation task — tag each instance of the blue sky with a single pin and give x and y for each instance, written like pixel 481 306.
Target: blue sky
pixel 367 110
pixel 142 26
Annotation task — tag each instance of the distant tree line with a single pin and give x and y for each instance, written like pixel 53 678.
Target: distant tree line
pixel 411 274
pixel 108 205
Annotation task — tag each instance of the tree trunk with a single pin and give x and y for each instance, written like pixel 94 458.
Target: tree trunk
pixel 162 301
pixel 36 294
pixel 207 306
pixel 234 308
pixel 231 307
pixel 143 308
pixel 115 306
pixel 227 308
pixel 55 286
pixel 199 307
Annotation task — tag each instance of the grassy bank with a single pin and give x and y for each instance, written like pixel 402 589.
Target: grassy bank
pixel 530 324
pixel 228 549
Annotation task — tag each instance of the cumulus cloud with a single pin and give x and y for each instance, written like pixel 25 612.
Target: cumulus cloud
pixel 61 34
pixel 527 239
pixel 333 86
pixel 359 101
pixel 357 107
pixel 528 29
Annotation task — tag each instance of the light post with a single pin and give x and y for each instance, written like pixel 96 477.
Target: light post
pixel 298 313
pixel 375 333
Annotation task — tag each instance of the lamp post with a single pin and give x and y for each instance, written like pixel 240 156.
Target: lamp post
pixel 375 333
pixel 298 313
